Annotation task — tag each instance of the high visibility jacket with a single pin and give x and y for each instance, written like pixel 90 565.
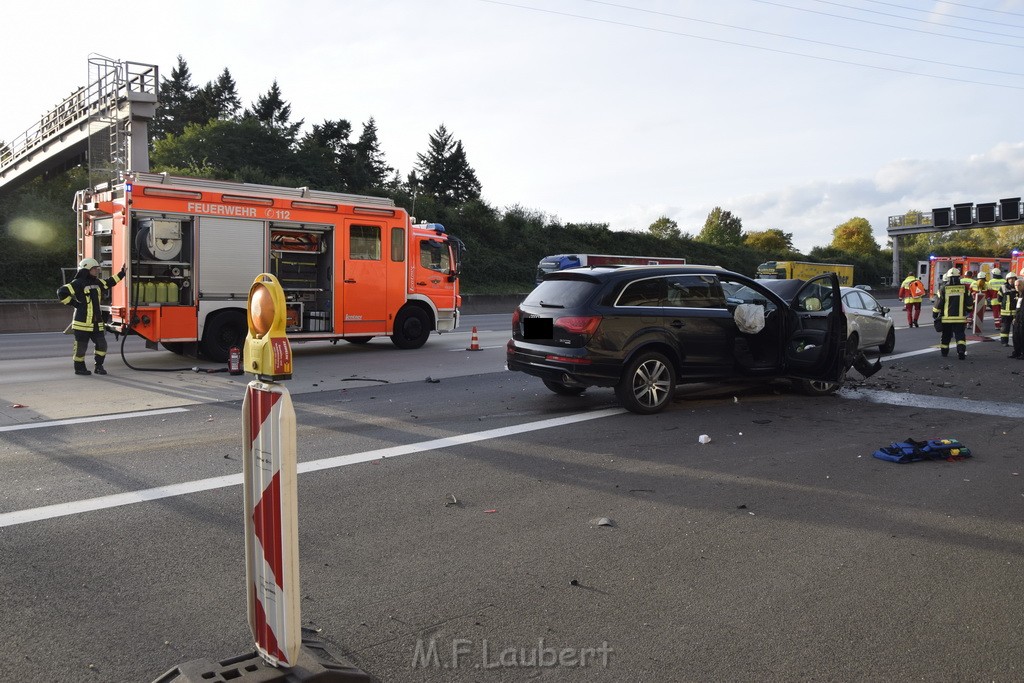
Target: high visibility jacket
pixel 84 293
pixel 995 286
pixel 904 292
pixel 1007 299
pixel 953 303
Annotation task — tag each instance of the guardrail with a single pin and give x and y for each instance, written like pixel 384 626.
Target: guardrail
pixel 44 315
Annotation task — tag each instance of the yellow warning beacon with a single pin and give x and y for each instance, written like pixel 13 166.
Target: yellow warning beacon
pixel 268 355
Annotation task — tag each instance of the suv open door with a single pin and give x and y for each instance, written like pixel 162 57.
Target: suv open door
pixel 816 333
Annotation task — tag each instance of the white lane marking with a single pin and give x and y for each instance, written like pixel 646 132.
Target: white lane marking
pixel 921 352
pixel 185 488
pixel 965 405
pixel 94 418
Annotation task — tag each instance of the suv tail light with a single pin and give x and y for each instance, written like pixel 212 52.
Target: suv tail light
pixel 516 315
pixel 579 324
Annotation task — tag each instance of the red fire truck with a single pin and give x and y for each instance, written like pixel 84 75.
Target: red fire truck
pixel 353 267
pixel 932 270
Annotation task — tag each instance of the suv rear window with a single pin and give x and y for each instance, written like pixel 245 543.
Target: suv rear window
pixel 561 293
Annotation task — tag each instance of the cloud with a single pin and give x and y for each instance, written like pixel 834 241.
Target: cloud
pixel 811 210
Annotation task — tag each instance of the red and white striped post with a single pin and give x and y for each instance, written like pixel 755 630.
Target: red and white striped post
pixel 271 523
pixel 979 312
pixel 270 481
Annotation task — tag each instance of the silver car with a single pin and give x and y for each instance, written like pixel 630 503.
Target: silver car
pixel 867 322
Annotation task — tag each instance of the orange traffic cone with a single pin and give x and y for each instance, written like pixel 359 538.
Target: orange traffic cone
pixel 474 343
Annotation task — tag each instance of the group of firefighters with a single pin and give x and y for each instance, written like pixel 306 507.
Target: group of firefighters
pixel 964 299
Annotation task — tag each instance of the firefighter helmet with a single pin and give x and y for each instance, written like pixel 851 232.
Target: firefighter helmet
pixel 1011 275
pixel 88 263
pixel 952 272
pixel 996 272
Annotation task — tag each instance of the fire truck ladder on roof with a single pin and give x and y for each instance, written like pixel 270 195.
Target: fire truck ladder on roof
pixel 254 188
pixel 105 121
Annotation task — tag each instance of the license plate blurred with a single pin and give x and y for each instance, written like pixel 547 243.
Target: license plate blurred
pixel 538 328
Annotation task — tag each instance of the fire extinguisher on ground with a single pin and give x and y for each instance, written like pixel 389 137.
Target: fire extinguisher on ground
pixel 235 361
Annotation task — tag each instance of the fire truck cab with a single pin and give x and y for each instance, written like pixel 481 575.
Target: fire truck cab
pixel 352 267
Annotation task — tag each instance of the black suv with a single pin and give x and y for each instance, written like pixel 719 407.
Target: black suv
pixel 643 329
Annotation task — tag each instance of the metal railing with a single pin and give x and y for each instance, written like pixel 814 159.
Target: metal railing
pixel 904 221
pixel 113 83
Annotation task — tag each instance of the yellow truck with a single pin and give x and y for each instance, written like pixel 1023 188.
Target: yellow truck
pixel 804 270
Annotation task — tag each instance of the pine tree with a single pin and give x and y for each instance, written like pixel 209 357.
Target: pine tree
pixel 223 95
pixel 327 155
pixel 177 106
pixel 369 168
pixel 272 110
pixel 444 171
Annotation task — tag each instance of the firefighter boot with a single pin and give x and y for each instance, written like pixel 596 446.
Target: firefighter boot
pixel 99 367
pixel 80 368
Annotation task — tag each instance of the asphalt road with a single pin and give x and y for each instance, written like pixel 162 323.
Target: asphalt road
pixel 781 550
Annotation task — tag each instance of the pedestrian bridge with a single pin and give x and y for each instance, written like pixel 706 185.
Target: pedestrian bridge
pixel 103 123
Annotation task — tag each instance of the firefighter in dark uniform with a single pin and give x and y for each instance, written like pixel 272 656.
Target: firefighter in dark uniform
pixel 1018 320
pixel 83 293
pixel 953 307
pixel 1007 307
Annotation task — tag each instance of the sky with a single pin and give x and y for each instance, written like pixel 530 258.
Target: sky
pixel 792 114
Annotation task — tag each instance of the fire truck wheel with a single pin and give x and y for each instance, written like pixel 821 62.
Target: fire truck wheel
pixel 223 331
pixel 412 328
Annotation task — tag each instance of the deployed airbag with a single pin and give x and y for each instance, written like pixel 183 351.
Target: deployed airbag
pixel 749 318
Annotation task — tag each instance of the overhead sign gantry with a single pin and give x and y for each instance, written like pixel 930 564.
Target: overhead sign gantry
pixel 963 216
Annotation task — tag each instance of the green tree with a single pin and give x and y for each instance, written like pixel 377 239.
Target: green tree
pixel 1007 238
pixel 218 99
pixel 721 228
pixel 444 172
pixel 664 228
pixel 855 236
pixel 326 153
pixel 244 150
pixel 177 102
pixel 771 241
pixel 37 235
pixel 272 110
pixel 369 170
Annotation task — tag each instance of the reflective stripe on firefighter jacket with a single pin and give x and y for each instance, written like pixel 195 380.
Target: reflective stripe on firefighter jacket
pixel 1008 300
pixel 953 303
pixel 83 293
